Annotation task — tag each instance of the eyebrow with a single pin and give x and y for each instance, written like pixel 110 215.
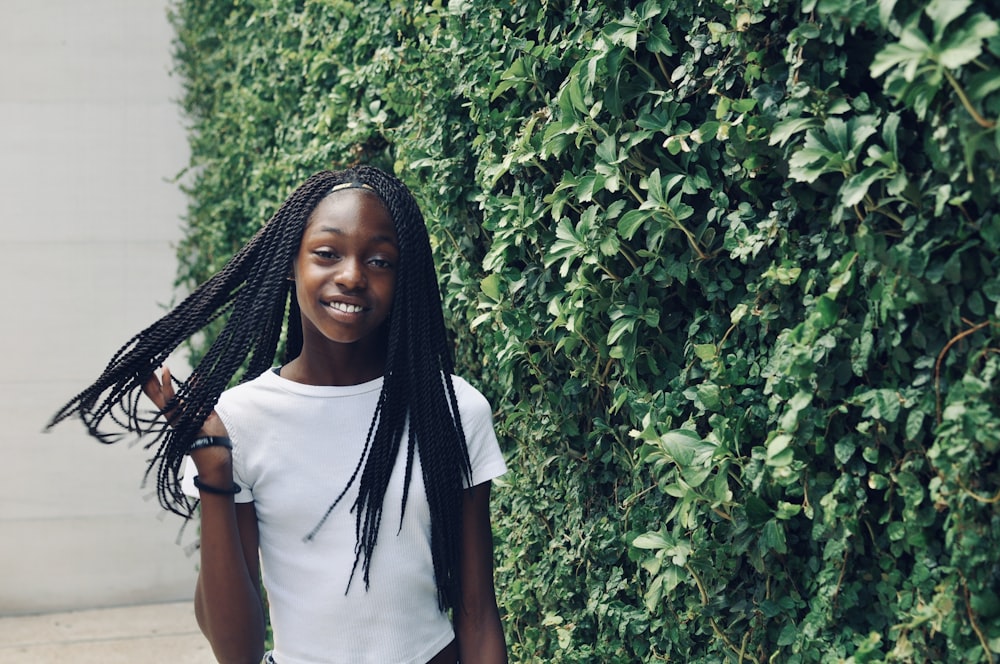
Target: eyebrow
pixel 375 238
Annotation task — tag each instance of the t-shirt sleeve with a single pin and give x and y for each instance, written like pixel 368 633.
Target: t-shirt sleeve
pixel 236 434
pixel 477 422
pixel 187 483
pixel 245 494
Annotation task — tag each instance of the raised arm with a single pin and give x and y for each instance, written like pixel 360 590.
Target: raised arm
pixel 477 621
pixel 228 603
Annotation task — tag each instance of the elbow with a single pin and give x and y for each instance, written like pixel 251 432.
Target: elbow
pixel 476 620
pixel 233 646
pixel 233 651
pixel 480 635
pixel 249 659
pixel 243 647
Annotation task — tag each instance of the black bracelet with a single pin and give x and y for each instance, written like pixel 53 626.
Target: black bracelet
pixel 216 490
pixel 211 441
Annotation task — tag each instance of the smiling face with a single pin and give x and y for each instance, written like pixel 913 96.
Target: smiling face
pixel 345 277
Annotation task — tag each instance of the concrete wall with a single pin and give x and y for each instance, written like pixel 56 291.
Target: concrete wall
pixel 89 135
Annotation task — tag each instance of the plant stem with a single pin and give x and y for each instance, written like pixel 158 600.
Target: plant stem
pixel 980 120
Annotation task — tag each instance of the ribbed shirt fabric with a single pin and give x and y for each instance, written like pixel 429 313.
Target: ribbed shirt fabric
pixel 295 447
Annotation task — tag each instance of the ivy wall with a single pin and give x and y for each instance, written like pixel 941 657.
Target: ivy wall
pixel 727 269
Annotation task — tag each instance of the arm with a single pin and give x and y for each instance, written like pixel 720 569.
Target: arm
pixel 477 622
pixel 227 598
pixel 228 603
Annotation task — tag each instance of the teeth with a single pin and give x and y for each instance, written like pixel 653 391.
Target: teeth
pixel 346 308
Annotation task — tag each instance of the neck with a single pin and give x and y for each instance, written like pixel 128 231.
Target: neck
pixel 342 364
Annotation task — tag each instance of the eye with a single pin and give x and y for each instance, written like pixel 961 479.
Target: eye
pixel 325 254
pixel 380 262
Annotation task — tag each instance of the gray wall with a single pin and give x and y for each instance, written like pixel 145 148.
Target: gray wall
pixel 90 133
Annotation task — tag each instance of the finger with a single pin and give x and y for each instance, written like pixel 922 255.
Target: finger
pixel 167 385
pixel 154 391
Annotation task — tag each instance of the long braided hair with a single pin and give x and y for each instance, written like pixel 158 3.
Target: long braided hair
pixel 257 299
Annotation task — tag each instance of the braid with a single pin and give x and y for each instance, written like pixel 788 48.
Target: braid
pixel 256 299
pixel 417 389
pixel 251 292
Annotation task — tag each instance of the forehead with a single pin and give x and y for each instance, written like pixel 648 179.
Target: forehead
pixel 353 209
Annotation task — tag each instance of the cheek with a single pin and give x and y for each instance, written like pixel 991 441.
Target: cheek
pixel 390 292
pixel 301 303
pixel 304 286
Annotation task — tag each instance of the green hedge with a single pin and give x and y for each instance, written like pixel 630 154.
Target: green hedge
pixel 727 269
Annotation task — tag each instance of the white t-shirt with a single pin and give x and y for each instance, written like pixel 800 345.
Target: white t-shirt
pixel 295 447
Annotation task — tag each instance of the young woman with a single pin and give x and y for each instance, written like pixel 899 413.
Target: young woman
pixel 356 475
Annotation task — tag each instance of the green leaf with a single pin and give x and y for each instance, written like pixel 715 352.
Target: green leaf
pixel 856 187
pixel 844 450
pixel 684 446
pixel 779 451
pixel 965 45
pixel 631 222
pixel 785 129
pixel 653 595
pixel 569 245
pixel 983 84
pixel 620 327
pixel 607 151
pixel 695 477
pixel 943 12
pixel 878 482
pixel 651 540
pixel 705 352
pixel 834 149
pixel 773 537
pixel 490 285
pixel 787 510
pixel 757 510
pixel 828 310
pixel 914 425
pixel 516 73
pixel 909 53
pixel 705 132
pixel 625 32
pixel 709 395
pixel 880 404
pixel 896 531
pixel 659 41
pixel 788 635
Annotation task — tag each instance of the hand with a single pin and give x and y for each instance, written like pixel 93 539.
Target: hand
pixel 210 461
pixel 161 392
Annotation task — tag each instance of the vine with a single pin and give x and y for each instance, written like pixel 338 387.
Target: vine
pixel 713 262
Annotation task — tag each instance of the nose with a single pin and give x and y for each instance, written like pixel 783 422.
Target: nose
pixel 351 275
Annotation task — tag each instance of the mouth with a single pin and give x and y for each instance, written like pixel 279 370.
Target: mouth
pixel 345 307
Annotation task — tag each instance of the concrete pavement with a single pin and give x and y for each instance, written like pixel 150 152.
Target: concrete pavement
pixel 152 634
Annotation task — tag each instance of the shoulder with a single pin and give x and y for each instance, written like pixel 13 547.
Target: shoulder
pixel 464 387
pixel 471 401
pixel 251 389
pixel 475 411
pixel 257 396
pixel 485 456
